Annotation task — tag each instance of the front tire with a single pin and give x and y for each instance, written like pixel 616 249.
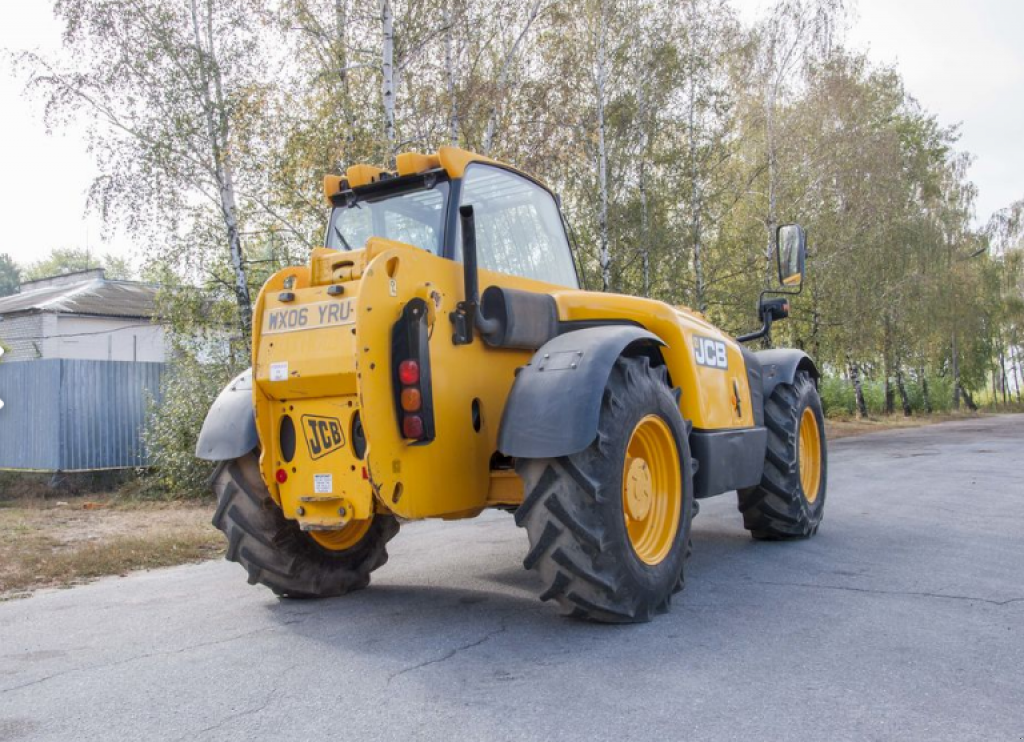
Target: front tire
pixel 609 526
pixel 277 553
pixel 790 500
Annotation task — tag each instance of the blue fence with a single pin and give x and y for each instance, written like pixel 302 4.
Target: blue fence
pixel 71 415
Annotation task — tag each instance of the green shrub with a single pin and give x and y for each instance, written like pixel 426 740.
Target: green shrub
pixel 837 398
pixel 187 391
pixel 940 389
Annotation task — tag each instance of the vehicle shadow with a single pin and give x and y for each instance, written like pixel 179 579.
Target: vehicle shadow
pixel 487 593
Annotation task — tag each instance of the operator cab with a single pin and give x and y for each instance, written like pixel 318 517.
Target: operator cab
pixel 519 227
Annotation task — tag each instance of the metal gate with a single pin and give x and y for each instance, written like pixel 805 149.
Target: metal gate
pixel 75 415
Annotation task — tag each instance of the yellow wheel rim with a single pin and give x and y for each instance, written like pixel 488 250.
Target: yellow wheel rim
pixel 810 455
pixel 652 485
pixel 345 538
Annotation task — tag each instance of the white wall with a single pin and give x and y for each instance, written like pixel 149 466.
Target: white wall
pixel 105 339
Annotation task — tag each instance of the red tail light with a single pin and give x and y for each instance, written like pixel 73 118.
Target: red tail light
pixel 409 372
pixel 412 426
pixel 410 353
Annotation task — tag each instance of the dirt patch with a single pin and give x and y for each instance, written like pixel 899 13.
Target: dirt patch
pixel 847 428
pixel 59 543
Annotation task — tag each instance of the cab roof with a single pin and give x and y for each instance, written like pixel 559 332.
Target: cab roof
pixel 452 160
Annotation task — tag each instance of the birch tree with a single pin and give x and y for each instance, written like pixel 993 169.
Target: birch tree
pixel 507 58
pixel 601 95
pixel 387 70
pixel 170 94
pixel 788 38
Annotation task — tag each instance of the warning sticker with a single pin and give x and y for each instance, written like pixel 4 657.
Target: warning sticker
pixel 279 371
pixel 323 484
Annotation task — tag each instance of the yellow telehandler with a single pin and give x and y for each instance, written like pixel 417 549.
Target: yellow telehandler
pixel 437 357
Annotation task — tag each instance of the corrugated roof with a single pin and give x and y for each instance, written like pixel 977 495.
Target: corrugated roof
pixel 97 297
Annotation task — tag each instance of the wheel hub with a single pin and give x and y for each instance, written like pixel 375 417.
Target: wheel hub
pixel 809 455
pixel 638 489
pixel 652 490
pixel 343 538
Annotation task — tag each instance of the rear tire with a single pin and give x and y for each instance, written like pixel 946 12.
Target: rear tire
pixel 779 508
pixel 577 514
pixel 276 552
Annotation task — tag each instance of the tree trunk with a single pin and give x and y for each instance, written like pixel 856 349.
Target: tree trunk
pixel 1002 378
pixel 218 130
pixel 924 392
pixel 956 375
pixel 644 237
pixel 887 355
pixel 1018 373
pixel 904 398
pixel 387 67
pixel 506 64
pixel 645 244
pixel 449 63
pixel 858 391
pixel 695 194
pixel 969 400
pixel 770 221
pixel 602 155
pixel 815 325
pixel 347 114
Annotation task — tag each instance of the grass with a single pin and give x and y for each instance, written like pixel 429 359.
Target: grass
pixel 847 427
pixel 49 543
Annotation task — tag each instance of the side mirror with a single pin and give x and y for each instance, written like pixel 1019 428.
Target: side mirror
pixel 792 254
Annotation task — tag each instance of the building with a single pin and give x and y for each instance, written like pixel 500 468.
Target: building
pixel 83 364
pixel 82 316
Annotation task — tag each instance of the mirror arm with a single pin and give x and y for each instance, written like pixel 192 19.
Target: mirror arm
pixel 770 311
pixel 758 334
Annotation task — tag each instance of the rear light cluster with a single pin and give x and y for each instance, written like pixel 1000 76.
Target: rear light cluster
pixel 410 399
pixel 410 355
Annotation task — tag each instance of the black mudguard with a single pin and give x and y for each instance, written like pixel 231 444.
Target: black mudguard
pixel 229 430
pixel 555 403
pixel 779 366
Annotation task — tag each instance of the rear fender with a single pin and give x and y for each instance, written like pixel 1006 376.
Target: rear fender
pixel 555 403
pixel 229 430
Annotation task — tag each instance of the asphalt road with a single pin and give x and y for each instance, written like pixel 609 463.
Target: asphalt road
pixel 902 620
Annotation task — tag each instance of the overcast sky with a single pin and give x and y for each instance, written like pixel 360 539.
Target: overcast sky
pixel 962 59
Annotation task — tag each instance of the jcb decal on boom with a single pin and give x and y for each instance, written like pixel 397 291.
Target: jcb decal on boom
pixel 309 317
pixel 709 352
pixel 323 435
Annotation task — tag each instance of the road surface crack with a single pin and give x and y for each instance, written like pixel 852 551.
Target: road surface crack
pixel 450 653
pixel 148 655
pixel 232 717
pixel 906 593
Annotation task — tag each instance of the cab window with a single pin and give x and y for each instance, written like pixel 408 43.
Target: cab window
pixel 518 228
pixel 414 217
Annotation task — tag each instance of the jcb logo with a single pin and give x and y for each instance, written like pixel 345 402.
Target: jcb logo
pixel 708 352
pixel 323 434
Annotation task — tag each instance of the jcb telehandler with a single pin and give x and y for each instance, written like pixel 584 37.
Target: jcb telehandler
pixel 386 386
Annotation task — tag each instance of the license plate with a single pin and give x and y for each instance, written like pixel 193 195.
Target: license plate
pixel 309 316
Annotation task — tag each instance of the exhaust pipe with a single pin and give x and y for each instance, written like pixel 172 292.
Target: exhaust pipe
pixel 467 314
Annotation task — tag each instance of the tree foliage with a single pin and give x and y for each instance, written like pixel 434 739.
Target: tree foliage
pixel 678 138
pixel 10 275
pixel 63 260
